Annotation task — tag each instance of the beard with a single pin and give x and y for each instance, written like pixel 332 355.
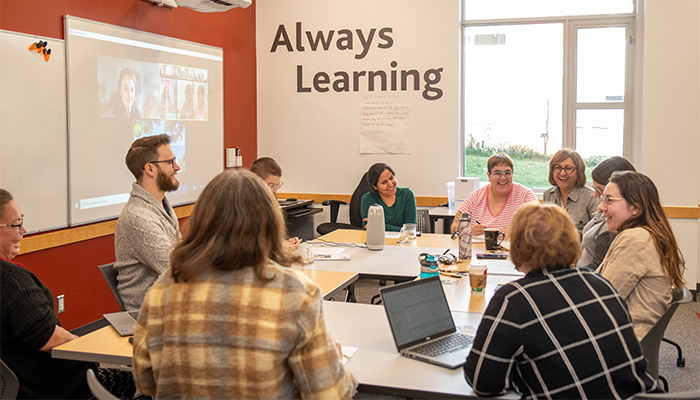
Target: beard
pixel 166 183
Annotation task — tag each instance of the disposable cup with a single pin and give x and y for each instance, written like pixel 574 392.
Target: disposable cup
pixel 477 276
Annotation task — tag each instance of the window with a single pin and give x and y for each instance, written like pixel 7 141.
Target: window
pixel 541 75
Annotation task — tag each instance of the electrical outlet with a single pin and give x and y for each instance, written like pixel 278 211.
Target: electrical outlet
pixel 61 304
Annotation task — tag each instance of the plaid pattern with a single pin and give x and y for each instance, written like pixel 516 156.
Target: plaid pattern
pixel 229 335
pixel 561 334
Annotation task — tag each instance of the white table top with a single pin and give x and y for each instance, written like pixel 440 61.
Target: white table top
pixel 393 262
pixel 377 363
pixel 442 212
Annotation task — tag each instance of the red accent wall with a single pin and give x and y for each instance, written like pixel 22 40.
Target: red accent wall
pixel 72 270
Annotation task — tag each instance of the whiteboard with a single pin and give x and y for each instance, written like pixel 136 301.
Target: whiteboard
pixel 33 129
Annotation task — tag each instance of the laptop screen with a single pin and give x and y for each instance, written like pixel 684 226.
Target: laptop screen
pixel 416 310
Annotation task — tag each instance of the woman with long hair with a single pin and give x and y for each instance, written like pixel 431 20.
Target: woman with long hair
pixel 230 319
pixel 644 262
pixel 596 238
pixel 399 204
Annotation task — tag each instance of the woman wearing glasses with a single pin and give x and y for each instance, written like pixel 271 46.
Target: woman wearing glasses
pixel 30 329
pixel 567 174
pixel 644 261
pixel 494 205
pixel 230 319
pixel 596 237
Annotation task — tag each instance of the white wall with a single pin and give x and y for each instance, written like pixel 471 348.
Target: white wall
pixel 670 133
pixel 315 136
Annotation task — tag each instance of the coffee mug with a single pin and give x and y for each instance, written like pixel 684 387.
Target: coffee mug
pixel 491 238
pixel 408 231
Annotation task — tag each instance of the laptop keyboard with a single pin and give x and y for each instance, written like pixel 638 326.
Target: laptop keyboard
pixel 134 314
pixel 444 345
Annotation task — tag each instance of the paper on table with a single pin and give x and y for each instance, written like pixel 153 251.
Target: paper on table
pixel 348 352
pixel 328 251
pixel 330 254
pixel 502 267
pixel 501 279
pixel 392 235
pixel 478 239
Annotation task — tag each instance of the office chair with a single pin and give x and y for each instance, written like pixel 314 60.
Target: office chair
pixel 110 275
pixel 97 389
pixel 652 340
pixel 691 395
pixel 423 221
pixel 355 212
pixel 9 386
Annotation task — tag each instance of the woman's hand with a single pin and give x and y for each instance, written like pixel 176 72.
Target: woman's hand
pixel 365 220
pixel 294 243
pixel 478 230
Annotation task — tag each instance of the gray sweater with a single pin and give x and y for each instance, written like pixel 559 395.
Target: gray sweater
pixel 143 239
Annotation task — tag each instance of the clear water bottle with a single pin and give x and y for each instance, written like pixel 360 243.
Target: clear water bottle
pixel 465 237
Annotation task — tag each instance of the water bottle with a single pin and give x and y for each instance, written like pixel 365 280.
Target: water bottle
pixel 375 227
pixel 465 237
pixel 428 265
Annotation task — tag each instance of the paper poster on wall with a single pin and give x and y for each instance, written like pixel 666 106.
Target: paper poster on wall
pixel 385 124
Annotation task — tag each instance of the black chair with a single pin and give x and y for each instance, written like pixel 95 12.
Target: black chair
pixel 97 389
pixel 423 221
pixel 652 340
pixel 110 275
pixel 355 210
pixel 9 387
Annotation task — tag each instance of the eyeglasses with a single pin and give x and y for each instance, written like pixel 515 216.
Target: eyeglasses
pixel 605 200
pixel 18 226
pixel 275 186
pixel 568 169
pixel 499 174
pixel 171 161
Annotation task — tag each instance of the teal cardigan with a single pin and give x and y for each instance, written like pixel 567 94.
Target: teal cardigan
pixel 402 212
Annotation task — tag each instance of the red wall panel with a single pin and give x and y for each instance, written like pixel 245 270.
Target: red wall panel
pixel 72 270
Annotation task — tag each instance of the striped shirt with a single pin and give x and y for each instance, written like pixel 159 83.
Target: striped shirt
pixel 477 205
pixel 562 334
pixel 228 335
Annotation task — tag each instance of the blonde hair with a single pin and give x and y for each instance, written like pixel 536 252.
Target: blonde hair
pixel 580 165
pixel 543 238
pixel 236 223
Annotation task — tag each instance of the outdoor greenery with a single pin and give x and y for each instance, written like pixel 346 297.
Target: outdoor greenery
pixel 531 167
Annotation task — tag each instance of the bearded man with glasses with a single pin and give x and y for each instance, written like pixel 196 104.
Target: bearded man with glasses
pixel 147 227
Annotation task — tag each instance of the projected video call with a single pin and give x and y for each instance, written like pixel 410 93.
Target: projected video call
pixel 124 85
pixel 140 90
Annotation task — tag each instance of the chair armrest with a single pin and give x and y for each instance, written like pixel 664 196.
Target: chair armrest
pixel 335 206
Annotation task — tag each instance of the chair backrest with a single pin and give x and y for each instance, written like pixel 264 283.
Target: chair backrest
pixel 652 340
pixel 356 201
pixel 110 275
pixel 97 389
pixel 9 387
pixel 423 221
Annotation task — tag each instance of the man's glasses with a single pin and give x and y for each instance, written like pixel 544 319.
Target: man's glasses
pixel 605 200
pixel 499 174
pixel 275 186
pixel 171 161
pixel 18 226
pixel 568 169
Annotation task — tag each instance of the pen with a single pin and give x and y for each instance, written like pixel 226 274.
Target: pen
pixel 446 251
pixel 451 275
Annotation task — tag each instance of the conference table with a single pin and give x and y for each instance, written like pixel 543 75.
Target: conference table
pixel 376 364
pixel 105 345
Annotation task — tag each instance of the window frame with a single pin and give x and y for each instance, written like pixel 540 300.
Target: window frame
pixel 570 51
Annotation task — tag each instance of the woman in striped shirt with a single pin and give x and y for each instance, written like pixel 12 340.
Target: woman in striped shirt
pixel 494 205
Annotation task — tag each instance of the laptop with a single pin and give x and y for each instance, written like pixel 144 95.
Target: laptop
pixel 124 322
pixel 422 324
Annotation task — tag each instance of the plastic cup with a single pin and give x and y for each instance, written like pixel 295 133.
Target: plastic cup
pixel 306 251
pixel 477 276
pixel 450 195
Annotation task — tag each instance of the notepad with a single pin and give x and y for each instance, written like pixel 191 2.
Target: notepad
pixel 330 254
